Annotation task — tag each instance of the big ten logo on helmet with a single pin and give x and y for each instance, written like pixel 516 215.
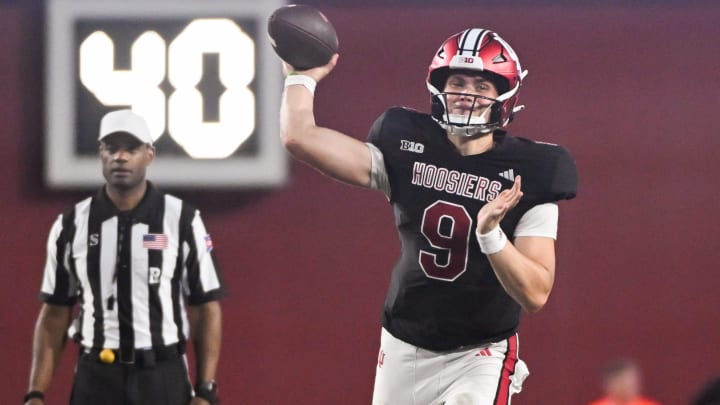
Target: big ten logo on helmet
pixel 192 82
pixel 409 146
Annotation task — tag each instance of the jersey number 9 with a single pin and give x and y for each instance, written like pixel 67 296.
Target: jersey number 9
pixel 449 261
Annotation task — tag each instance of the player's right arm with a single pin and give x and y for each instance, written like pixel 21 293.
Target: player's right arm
pixel 48 344
pixel 333 153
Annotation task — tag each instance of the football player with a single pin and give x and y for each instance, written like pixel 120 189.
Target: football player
pixel 476 213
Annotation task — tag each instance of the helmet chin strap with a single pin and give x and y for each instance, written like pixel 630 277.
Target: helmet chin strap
pixel 467 130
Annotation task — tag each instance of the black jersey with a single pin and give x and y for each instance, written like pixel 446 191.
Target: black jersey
pixel 443 292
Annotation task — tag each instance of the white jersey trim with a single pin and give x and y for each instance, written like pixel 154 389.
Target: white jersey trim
pixel 540 220
pixel 378 174
pixel 172 229
pixel 49 274
pixel 208 275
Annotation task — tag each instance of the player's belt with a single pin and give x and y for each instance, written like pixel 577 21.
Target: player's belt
pixel 138 357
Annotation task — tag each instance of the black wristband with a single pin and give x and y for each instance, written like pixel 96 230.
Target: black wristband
pixel 207 391
pixel 33 395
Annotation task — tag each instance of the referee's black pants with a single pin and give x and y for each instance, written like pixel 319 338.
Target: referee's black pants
pixel 161 382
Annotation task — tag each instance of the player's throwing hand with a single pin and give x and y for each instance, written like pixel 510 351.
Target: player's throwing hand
pixel 317 73
pixel 493 212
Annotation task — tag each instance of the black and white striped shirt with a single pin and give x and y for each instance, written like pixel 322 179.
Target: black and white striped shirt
pixel 131 272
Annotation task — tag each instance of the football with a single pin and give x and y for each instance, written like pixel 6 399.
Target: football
pixel 302 36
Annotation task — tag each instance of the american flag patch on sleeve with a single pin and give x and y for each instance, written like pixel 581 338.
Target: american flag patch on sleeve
pixel 155 241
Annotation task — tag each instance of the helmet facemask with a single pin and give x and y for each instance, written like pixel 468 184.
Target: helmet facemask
pixel 480 119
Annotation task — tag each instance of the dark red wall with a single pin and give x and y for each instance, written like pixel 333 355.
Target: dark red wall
pixel 633 91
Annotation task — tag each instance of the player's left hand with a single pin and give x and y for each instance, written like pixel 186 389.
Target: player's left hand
pixel 493 212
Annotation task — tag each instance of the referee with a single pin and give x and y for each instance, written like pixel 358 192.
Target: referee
pixel 131 257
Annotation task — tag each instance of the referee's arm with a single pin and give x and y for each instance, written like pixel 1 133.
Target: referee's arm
pixel 206 327
pixel 48 344
pixel 205 290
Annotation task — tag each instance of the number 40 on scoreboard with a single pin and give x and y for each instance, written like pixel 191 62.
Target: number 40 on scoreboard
pixel 202 73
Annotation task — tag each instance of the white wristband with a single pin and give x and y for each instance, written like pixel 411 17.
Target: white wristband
pixel 493 241
pixel 303 80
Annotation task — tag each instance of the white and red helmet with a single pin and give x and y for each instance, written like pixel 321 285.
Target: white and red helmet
pixel 480 50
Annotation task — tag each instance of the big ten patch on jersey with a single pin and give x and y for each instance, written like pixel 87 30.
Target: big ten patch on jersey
pixel 411 146
pixel 423 166
pixel 444 293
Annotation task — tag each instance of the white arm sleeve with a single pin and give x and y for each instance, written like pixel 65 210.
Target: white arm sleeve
pixel 540 220
pixel 378 174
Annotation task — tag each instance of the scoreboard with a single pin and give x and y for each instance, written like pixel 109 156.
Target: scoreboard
pixel 202 73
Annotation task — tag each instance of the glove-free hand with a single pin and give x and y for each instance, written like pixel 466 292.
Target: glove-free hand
pixel 317 73
pixel 493 212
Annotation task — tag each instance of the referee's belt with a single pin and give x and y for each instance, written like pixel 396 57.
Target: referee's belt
pixel 138 357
